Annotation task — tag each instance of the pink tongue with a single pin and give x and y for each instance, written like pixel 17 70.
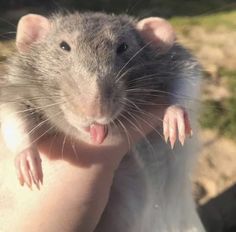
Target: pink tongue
pixel 98 133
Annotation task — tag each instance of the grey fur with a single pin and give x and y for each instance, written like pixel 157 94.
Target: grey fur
pixel 146 177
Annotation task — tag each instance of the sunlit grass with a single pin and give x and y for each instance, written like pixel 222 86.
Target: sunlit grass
pixel 209 22
pixel 221 115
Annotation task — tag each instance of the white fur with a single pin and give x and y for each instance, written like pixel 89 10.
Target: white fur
pixel 152 187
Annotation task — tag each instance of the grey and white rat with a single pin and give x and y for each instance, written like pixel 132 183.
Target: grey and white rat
pixel 81 73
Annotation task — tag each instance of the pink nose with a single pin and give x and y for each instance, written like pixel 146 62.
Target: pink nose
pixel 92 111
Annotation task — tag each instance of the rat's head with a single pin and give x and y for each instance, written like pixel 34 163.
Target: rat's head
pixel 88 59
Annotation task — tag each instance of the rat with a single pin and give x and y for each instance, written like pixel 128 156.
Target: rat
pixel 80 73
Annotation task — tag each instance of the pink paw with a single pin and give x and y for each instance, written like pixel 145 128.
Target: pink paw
pixel 176 125
pixel 28 167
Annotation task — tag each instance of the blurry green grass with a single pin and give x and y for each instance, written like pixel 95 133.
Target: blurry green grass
pixel 216 115
pixel 209 22
pixel 221 115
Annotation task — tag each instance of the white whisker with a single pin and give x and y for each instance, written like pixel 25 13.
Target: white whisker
pixel 140 50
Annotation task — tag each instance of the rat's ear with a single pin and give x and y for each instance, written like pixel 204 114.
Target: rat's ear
pixel 31 28
pixel 158 31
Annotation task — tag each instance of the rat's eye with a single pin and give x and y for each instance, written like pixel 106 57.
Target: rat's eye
pixel 65 46
pixel 122 48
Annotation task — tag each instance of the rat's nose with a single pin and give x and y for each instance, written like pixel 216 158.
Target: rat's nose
pixel 96 100
pixel 91 108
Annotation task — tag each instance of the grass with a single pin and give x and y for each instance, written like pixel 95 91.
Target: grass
pixel 209 22
pixel 221 115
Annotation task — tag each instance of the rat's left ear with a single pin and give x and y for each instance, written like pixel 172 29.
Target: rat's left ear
pixel 158 31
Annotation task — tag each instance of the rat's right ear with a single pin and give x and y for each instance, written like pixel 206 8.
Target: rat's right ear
pixel 31 28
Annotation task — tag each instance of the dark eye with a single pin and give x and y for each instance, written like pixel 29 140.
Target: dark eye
pixel 65 46
pixel 121 48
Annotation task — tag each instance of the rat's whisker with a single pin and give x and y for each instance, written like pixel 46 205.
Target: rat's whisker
pixel 139 130
pixel 4 35
pixel 128 100
pixel 150 116
pixel 45 132
pixel 126 133
pixel 144 78
pixel 31 110
pixel 144 136
pixel 41 124
pixel 151 92
pixel 149 103
pixel 125 65
pixel 53 140
pixel 8 22
pixel 63 147
pixel 72 143
pixel 151 126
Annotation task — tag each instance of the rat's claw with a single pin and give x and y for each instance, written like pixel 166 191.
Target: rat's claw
pixel 25 172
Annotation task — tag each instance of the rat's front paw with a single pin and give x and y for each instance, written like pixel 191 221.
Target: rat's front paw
pixel 176 125
pixel 28 167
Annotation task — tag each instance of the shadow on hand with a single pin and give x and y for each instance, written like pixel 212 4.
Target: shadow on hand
pixel 79 153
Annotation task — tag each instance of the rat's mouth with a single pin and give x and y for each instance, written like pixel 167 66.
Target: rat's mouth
pixel 98 132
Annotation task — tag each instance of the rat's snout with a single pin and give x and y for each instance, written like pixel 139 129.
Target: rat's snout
pixel 92 107
pixel 89 104
pixel 96 102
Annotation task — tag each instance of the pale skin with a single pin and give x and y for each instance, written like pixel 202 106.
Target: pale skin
pixel 87 176
pixel 176 125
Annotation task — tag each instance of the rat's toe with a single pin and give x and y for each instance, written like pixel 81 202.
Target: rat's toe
pixel 188 129
pixel 172 133
pixel 166 129
pixel 35 167
pixel 181 127
pixel 26 172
